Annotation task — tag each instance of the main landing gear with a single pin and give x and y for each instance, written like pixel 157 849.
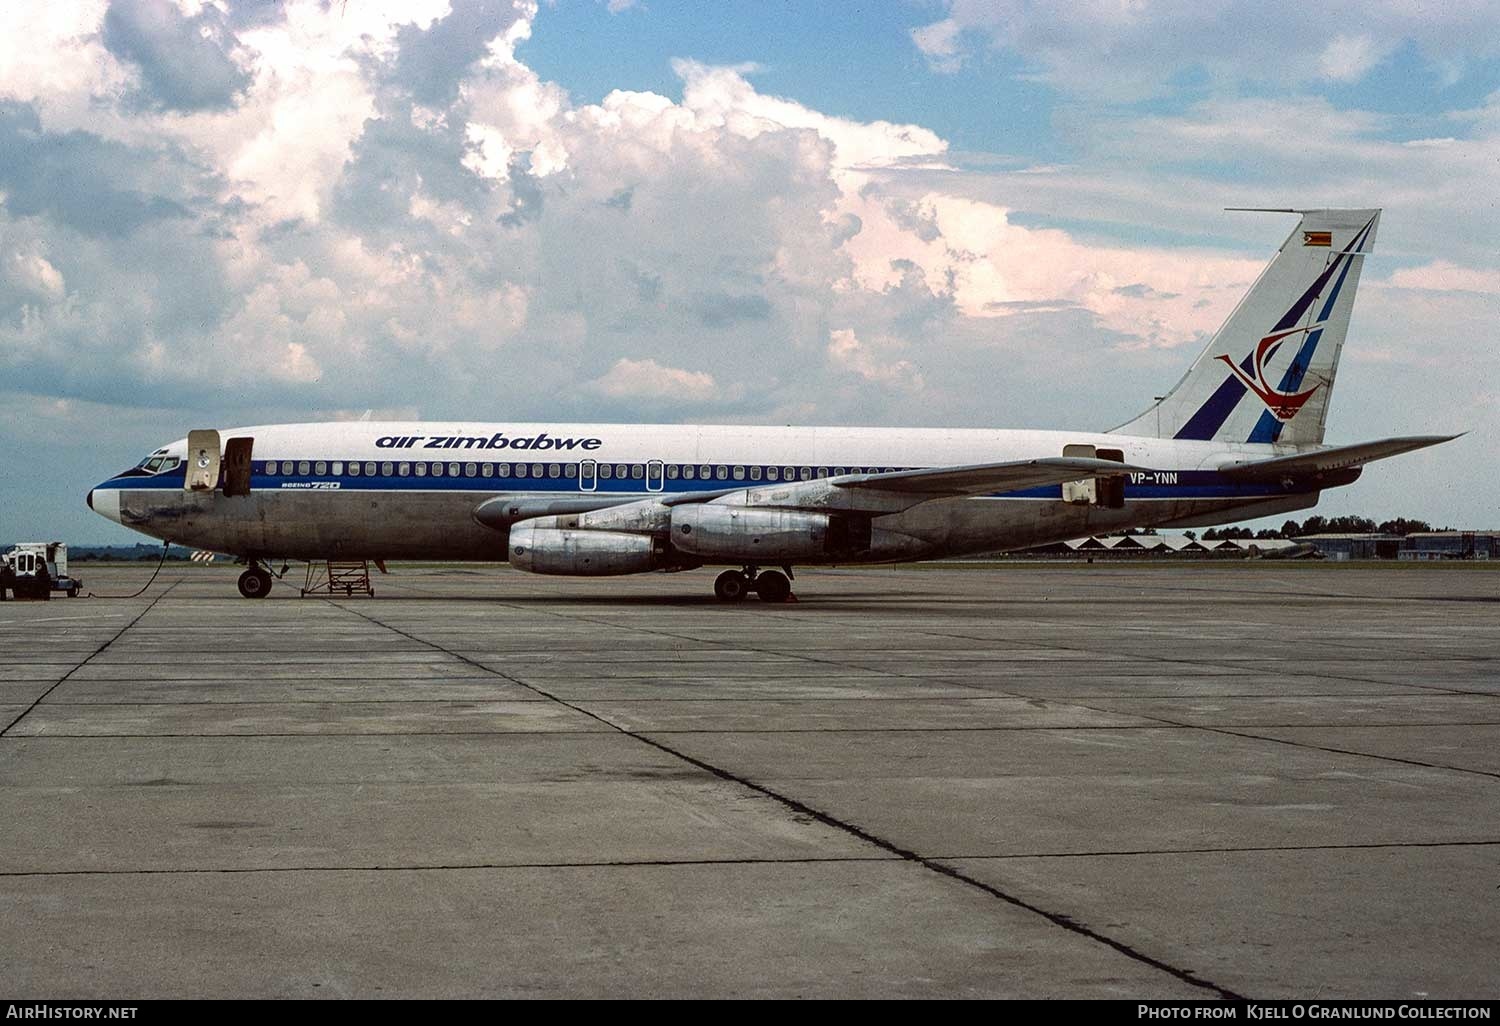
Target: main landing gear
pixel 771 586
pixel 255 582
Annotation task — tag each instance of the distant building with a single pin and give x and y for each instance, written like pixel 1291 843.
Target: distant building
pixel 1354 546
pixel 1159 546
pixel 1451 545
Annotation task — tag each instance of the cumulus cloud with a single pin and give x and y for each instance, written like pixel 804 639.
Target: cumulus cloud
pixel 185 63
pixel 647 379
pixel 1446 276
pixel 847 352
pixel 1347 58
pixel 1122 52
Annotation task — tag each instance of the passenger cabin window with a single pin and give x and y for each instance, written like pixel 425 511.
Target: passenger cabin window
pixel 520 470
pixel 554 470
pixel 487 469
pixel 437 470
pixel 773 473
pixel 570 470
pixel 606 471
pixel 403 469
pixel 504 470
pixel 321 468
pixel 689 473
pixel 421 469
pixel 270 466
pixel 338 467
pixel 387 468
pixel 739 473
pixel 470 469
pixel 536 470
pixel 721 472
pixel 304 467
pixel 354 470
pixel 672 472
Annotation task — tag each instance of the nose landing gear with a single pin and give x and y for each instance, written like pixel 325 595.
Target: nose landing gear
pixel 771 586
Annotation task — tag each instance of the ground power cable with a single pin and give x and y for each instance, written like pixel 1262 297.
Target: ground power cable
pixel 165 548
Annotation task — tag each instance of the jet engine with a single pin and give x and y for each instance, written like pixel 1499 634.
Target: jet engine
pixel 717 533
pixel 734 533
pixel 541 549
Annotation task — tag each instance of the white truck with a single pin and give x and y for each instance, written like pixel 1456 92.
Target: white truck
pixel 36 570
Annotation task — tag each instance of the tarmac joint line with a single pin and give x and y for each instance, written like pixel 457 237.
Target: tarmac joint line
pixel 801 808
pixel 85 660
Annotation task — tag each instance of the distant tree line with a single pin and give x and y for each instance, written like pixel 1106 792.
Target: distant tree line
pixel 1322 525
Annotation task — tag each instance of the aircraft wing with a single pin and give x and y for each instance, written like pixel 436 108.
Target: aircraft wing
pixel 855 493
pixel 982 478
pixel 1324 461
pixel 901 489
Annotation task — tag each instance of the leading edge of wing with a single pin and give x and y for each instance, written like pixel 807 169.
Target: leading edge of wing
pixel 983 478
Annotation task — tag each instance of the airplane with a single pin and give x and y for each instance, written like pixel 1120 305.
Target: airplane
pixel 1240 436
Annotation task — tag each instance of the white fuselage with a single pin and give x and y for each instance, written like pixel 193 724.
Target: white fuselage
pixel 409 490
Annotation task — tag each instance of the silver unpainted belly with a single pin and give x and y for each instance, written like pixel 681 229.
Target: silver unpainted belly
pixel 373 524
pixel 318 525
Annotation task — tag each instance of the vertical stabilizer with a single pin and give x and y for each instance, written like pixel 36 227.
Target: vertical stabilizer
pixel 1268 374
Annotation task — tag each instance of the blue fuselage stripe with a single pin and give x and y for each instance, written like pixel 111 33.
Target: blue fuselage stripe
pixel 1186 484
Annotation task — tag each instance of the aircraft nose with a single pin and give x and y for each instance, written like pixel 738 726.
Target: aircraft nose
pixel 105 501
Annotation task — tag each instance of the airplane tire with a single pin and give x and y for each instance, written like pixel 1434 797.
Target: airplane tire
pixel 731 586
pixel 255 583
pixel 772 586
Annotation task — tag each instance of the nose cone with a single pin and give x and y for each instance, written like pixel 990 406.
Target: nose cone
pixel 90 498
pixel 105 502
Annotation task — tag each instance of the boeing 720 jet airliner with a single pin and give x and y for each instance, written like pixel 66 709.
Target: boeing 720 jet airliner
pixel 1240 436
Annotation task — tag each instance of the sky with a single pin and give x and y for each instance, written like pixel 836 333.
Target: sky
pixel 914 212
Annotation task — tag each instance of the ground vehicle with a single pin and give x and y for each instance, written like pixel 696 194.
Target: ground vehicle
pixel 36 570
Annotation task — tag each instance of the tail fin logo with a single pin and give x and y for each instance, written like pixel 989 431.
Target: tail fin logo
pixel 1283 405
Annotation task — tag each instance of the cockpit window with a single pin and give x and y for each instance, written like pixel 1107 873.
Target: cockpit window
pixel 156 463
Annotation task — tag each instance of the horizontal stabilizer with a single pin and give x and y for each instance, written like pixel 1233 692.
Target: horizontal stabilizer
pixel 1323 461
pixel 983 478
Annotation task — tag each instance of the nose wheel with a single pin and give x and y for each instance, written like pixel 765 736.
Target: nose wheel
pixel 255 583
pixel 734 585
